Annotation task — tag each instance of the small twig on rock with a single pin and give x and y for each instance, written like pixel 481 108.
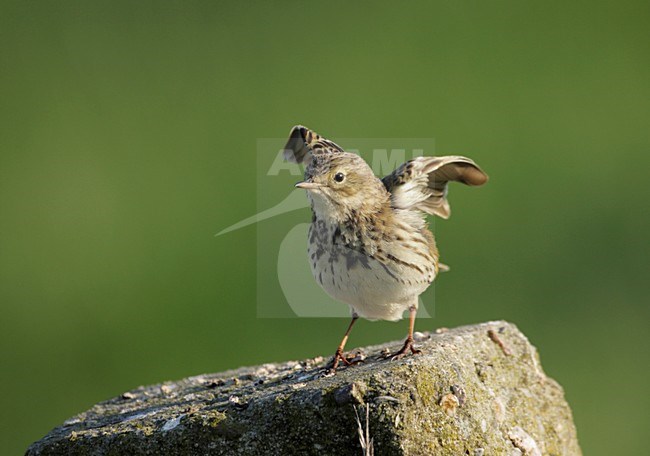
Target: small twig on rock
pixel 364 434
pixel 495 338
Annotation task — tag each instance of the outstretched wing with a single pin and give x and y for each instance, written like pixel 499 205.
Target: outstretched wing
pixel 303 142
pixel 421 183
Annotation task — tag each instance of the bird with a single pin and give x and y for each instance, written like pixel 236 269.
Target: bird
pixel 369 245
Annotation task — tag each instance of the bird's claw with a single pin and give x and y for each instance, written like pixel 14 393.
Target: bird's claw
pixel 408 346
pixel 348 360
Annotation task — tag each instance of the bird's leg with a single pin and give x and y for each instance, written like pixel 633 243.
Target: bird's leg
pixel 408 343
pixel 339 356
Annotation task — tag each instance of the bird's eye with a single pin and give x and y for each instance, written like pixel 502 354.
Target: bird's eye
pixel 339 177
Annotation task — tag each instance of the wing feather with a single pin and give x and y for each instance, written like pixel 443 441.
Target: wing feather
pixel 303 142
pixel 421 183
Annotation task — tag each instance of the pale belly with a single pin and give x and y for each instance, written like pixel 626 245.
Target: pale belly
pixel 371 289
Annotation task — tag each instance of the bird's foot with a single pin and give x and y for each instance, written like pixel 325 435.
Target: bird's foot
pixel 348 360
pixel 406 348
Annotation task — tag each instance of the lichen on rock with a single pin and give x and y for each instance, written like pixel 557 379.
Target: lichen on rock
pixel 473 390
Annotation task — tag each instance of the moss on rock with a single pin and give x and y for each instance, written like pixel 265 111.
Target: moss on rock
pixel 474 390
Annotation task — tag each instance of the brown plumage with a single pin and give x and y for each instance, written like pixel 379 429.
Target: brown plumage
pixel 369 244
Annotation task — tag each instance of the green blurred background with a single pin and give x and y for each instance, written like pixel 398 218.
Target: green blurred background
pixel 128 138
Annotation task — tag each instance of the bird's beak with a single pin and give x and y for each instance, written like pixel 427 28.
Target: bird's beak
pixel 309 185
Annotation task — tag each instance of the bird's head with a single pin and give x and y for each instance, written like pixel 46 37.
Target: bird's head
pixel 341 183
pixel 338 183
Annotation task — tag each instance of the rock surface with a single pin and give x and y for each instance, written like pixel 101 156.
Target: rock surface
pixel 474 390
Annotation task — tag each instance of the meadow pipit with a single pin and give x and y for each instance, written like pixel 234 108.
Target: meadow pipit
pixel 369 244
